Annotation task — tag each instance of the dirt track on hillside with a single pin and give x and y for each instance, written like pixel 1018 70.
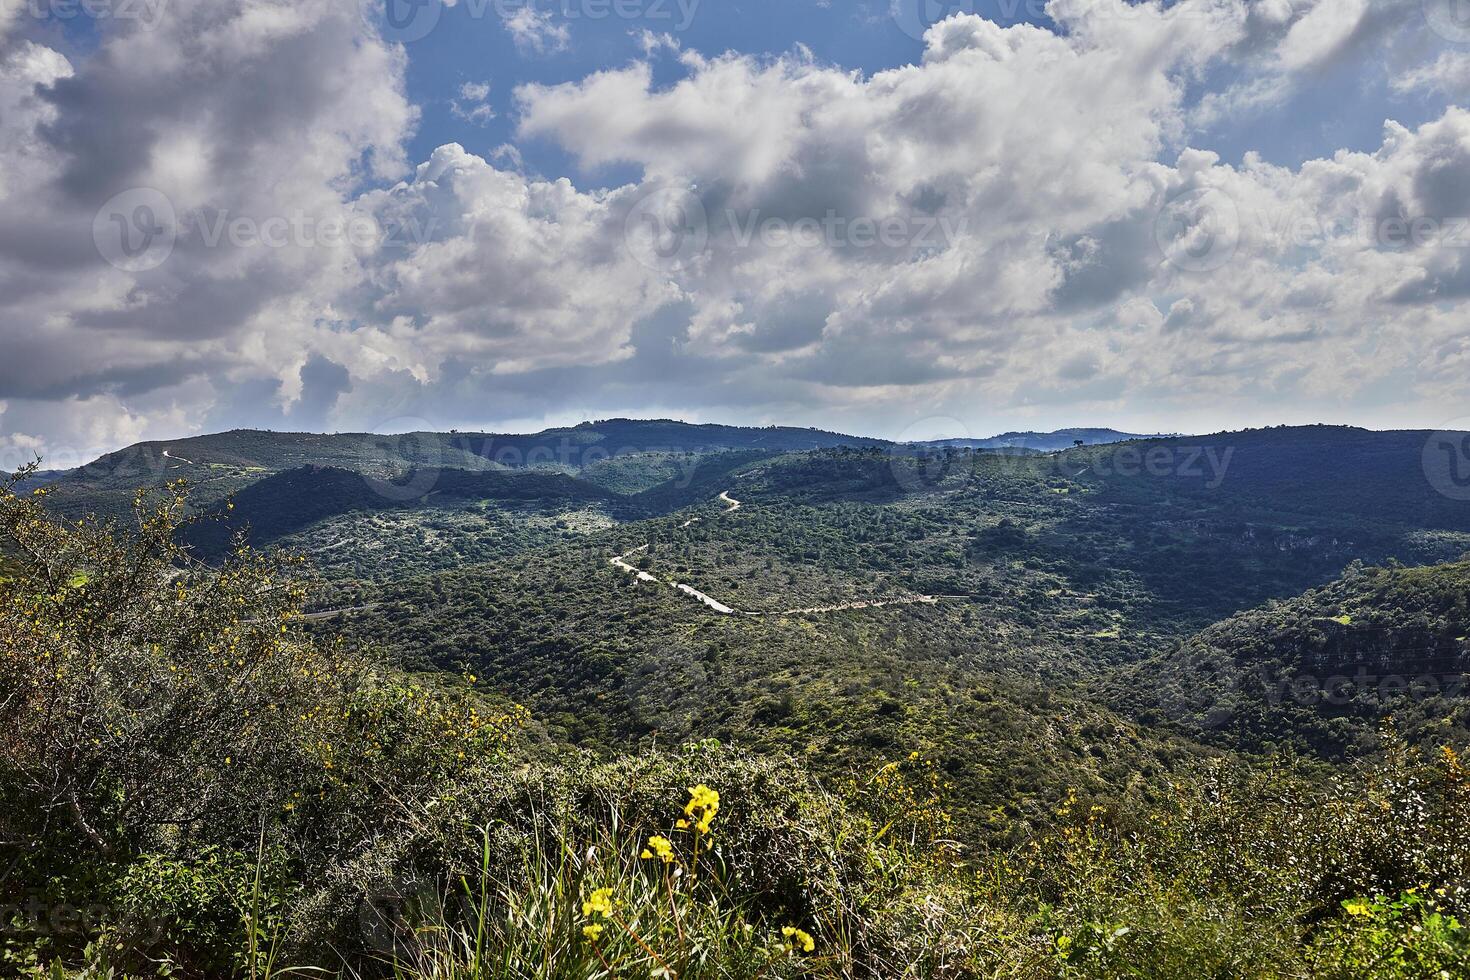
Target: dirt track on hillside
pixel 620 562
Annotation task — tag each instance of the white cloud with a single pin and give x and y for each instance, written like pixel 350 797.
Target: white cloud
pixel 1060 190
pixel 652 42
pixel 473 104
pixel 537 31
pixel 1036 180
pixel 1321 33
pixel 1447 75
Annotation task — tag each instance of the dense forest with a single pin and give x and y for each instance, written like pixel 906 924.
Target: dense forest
pixel 722 702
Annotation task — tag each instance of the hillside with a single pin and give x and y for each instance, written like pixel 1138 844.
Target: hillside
pixel 575 447
pixel 255 801
pixel 1316 472
pixel 469 516
pixel 874 596
pixel 1040 576
pixel 613 664
pixel 227 462
pixel 1025 682
pixel 1321 673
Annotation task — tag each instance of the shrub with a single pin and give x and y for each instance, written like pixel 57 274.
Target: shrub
pixel 154 709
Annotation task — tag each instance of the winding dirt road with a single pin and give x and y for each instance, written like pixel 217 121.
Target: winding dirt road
pixel 642 575
pixel 724 610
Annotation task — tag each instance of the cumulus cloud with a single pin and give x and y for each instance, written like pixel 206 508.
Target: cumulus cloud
pixel 537 30
pixel 1015 223
pixel 261 113
pixel 1448 75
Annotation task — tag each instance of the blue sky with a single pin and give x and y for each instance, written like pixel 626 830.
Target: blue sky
pixel 1344 108
pixel 466 47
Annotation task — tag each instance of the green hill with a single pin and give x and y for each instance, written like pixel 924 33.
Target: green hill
pixel 1316 471
pixel 1047 574
pixel 1321 672
pixel 995 714
pixel 969 602
pixel 224 463
pixel 1043 441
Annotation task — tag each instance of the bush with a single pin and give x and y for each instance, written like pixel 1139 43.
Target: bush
pixel 153 709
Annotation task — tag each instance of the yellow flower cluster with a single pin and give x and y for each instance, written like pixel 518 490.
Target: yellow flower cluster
pixel 703 804
pixel 599 903
pixel 659 847
pixel 797 938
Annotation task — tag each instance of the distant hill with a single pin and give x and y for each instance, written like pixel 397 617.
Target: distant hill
pixel 37 478
pixel 1046 442
pixel 226 462
pixel 575 447
pixel 1311 470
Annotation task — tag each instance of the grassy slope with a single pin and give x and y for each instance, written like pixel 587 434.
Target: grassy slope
pixel 1061 568
pixel 1132 877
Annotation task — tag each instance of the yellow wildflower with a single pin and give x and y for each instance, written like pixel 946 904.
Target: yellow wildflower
pixel 1357 906
pixel 660 847
pixel 592 932
pixel 600 903
pixel 799 938
pixel 703 804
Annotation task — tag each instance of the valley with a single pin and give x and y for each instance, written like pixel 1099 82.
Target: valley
pixel 842 602
pixel 760 490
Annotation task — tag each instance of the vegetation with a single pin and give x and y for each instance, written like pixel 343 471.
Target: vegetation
pixel 1318 673
pixel 1052 579
pixel 1096 753
pixel 226 462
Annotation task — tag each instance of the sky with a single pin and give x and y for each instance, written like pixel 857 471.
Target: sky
pixel 903 218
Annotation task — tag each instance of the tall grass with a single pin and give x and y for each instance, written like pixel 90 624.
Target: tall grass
pixel 622 905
